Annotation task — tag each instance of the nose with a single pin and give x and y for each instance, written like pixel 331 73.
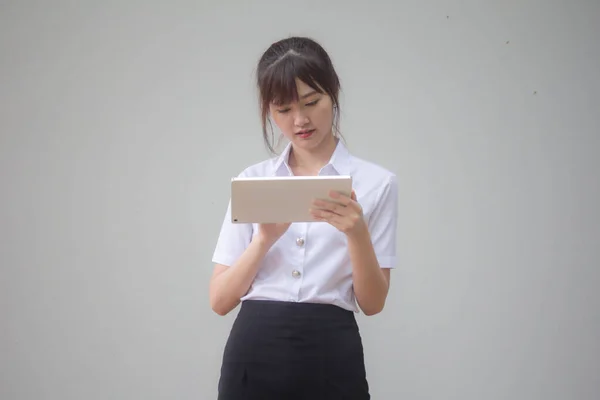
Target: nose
pixel 300 118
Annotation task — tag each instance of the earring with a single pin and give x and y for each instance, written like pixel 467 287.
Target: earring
pixel 334 127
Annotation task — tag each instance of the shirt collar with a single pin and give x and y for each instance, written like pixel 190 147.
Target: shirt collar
pixel 339 163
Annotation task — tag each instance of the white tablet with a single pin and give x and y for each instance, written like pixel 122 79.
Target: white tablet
pixel 281 199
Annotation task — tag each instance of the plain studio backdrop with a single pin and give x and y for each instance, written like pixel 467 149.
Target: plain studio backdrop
pixel 122 123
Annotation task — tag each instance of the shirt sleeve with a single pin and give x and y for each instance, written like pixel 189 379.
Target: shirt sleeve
pixel 233 240
pixel 382 224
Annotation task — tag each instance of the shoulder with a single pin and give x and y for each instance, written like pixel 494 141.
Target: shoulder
pixel 261 168
pixel 372 176
pixel 376 189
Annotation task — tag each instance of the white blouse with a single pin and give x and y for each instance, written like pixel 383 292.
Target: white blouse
pixel 310 262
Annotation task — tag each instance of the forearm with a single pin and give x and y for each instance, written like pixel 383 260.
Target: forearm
pixel 370 284
pixel 231 284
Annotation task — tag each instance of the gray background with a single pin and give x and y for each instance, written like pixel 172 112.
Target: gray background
pixel 122 122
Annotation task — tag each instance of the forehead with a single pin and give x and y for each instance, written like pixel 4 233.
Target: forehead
pixel 303 89
pixel 294 92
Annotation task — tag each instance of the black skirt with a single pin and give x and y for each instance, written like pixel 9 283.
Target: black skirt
pixel 293 351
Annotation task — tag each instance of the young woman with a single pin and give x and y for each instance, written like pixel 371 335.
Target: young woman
pixel 300 285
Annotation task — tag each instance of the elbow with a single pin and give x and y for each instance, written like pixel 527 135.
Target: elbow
pixel 220 311
pixel 219 307
pixel 371 312
pixel 222 305
pixel 373 309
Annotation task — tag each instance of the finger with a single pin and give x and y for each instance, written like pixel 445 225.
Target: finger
pixel 340 197
pixel 338 222
pixel 328 216
pixel 348 201
pixel 330 206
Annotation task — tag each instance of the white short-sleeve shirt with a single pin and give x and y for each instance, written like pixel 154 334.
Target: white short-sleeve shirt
pixel 310 262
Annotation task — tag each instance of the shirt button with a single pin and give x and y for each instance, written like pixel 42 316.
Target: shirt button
pixel 300 242
pixel 296 274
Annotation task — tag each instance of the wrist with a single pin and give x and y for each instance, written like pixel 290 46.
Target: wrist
pixel 359 234
pixel 263 242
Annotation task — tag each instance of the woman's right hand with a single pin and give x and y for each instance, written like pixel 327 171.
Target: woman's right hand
pixel 270 233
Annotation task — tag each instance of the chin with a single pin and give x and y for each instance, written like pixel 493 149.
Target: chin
pixel 314 141
pixel 308 144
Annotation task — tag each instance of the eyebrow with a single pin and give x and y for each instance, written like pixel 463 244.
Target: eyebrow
pixel 305 95
pixel 308 94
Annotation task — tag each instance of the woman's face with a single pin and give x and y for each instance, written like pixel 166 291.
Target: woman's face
pixel 307 123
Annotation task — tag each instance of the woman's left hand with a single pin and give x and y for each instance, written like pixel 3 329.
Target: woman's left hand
pixel 341 211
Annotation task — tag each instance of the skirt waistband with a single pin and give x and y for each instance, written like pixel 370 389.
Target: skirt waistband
pixel 273 308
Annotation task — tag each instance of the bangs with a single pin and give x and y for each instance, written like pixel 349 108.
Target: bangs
pixel 278 82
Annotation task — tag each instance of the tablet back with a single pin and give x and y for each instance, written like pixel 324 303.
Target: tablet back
pixel 281 199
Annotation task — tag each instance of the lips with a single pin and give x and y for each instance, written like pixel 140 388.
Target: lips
pixel 305 133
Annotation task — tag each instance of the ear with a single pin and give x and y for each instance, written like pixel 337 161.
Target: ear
pixel 353 195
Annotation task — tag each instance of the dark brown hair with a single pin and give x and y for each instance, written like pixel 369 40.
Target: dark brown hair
pixel 278 68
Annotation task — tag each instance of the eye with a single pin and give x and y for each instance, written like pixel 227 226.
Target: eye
pixel 283 111
pixel 312 103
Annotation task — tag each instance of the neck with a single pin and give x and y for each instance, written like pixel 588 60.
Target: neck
pixel 312 160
